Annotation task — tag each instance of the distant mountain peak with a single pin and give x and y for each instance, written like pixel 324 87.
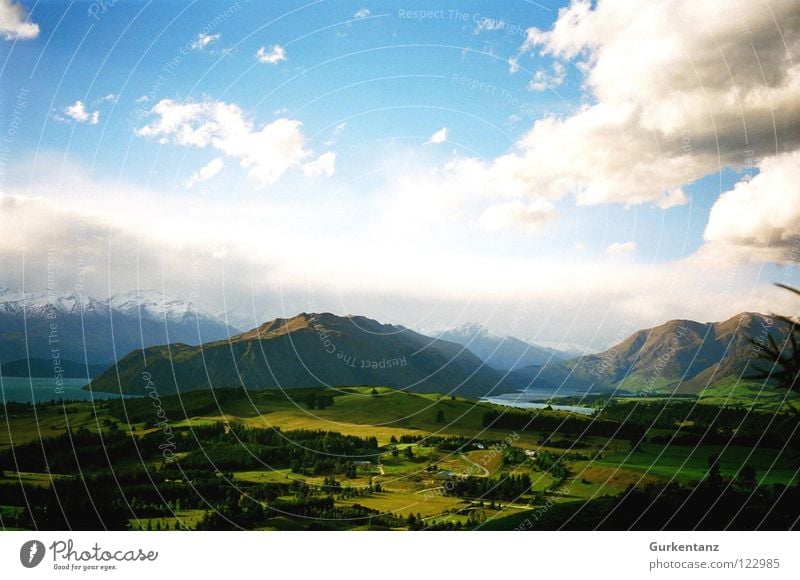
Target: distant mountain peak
pixel 472 329
pixel 500 352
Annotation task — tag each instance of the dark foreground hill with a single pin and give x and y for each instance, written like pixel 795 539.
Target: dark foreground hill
pixel 308 350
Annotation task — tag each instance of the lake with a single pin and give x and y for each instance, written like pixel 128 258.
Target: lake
pixel 41 390
pixel 523 401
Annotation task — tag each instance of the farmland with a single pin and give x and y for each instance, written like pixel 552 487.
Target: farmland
pixel 375 458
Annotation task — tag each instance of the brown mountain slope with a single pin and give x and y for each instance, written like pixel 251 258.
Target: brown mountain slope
pixel 678 356
pixel 308 350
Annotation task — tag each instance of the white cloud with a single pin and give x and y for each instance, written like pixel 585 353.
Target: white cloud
pixel 274 55
pixel 527 217
pixel 677 92
pixel 760 217
pixel 621 248
pixel 204 40
pixel 267 153
pixel 142 99
pixel 78 113
pixel 325 165
pixel 205 173
pixel 362 13
pixel 513 65
pixel 543 80
pixel 14 24
pixel 109 98
pixel 439 137
pixel 277 264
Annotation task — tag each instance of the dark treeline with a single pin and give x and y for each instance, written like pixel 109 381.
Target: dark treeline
pixel 77 451
pixel 318 452
pixel 449 443
pixel 506 487
pixel 316 512
pixel 708 424
pixel 108 499
pixel 560 424
pixel 676 507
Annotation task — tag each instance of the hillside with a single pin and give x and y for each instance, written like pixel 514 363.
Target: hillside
pixel 679 356
pixel 308 350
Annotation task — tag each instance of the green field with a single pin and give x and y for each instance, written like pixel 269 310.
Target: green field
pixel 748 394
pixel 433 463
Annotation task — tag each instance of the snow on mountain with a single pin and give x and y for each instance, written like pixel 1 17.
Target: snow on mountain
pixel 80 327
pixel 147 304
pixel 157 305
pixel 500 352
pixel 43 303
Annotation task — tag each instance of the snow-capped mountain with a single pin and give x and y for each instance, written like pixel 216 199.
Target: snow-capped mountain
pixel 156 305
pixel 501 352
pixel 46 325
pixel 44 303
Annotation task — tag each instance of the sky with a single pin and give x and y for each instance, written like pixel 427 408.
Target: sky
pixel 565 172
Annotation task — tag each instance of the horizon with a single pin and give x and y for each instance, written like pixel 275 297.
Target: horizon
pixel 572 349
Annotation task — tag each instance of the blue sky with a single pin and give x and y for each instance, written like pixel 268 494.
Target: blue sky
pixel 371 84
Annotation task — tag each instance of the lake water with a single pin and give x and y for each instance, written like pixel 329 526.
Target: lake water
pixel 24 390
pixel 523 401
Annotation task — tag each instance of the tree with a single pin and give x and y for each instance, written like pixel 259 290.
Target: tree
pixel 311 401
pixel 779 358
pixel 374 392
pixel 747 477
pixel 713 477
pixel 440 416
pixel 393 439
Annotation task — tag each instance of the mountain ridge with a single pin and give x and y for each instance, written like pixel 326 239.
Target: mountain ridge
pixel 681 356
pixel 310 349
pixel 44 324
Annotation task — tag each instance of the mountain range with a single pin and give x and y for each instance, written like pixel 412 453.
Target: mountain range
pixel 185 348
pixel 504 353
pixel 79 330
pixel 680 356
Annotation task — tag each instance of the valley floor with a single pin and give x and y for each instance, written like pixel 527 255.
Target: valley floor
pixel 377 458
